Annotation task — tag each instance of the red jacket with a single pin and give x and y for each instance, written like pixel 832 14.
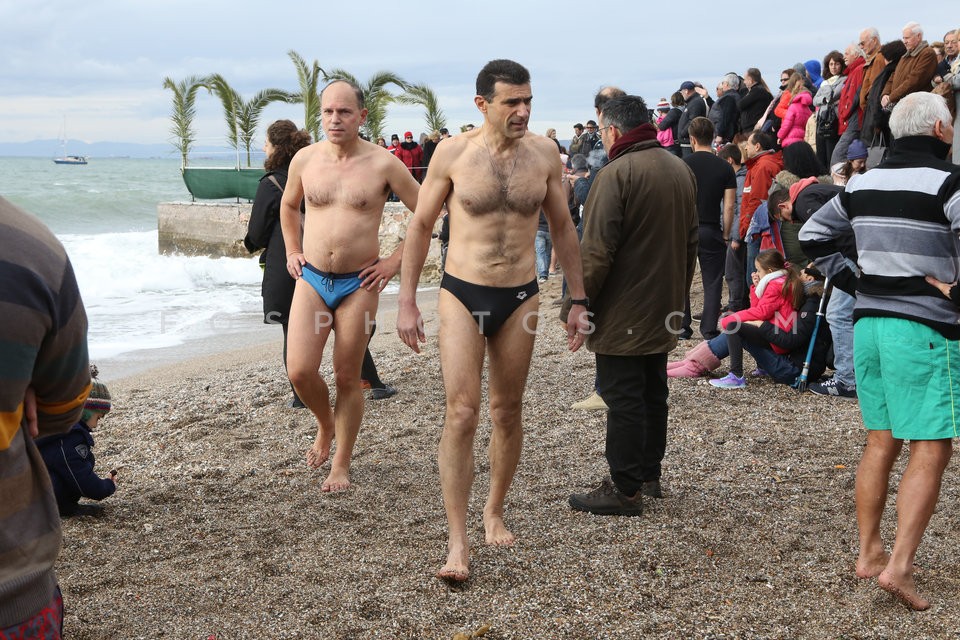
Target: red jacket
pixel 771 307
pixel 411 154
pixel 849 104
pixel 761 171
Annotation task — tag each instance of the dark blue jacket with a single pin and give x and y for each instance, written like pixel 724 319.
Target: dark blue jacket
pixel 69 460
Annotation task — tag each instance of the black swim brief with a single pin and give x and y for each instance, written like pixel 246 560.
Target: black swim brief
pixel 489 306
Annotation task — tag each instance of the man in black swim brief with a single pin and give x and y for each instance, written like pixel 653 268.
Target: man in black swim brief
pixel 494 181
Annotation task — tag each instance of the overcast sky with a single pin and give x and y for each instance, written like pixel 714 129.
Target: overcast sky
pixel 101 63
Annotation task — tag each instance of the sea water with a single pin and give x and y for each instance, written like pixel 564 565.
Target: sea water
pixel 105 214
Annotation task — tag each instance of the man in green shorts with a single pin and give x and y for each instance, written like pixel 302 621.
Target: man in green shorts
pixel 905 215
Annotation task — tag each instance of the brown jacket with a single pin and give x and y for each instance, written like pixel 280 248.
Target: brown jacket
pixel 871 69
pixel 639 249
pixel 914 73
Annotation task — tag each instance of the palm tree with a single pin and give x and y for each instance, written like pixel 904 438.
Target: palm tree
pixel 376 97
pixel 243 117
pixel 423 95
pixel 184 111
pixel 309 78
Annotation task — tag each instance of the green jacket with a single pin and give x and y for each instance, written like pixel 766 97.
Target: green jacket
pixel 639 250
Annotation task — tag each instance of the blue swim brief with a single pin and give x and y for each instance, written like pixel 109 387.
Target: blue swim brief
pixel 332 287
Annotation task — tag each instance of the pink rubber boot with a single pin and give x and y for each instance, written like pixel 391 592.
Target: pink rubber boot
pixel 699 362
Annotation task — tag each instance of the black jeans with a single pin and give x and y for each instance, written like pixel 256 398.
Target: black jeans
pixel 635 390
pixel 712 256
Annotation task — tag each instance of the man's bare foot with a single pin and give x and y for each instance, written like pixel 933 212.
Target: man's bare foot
pixel 903 590
pixel 496 531
pixel 457 568
pixel 320 451
pixel 337 481
pixel 870 566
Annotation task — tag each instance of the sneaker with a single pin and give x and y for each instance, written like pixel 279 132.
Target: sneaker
pixel 542 279
pixel 833 387
pixel 607 500
pixel 730 381
pixel 382 393
pixel 686 334
pixel 295 403
pixel 758 373
pixel 592 403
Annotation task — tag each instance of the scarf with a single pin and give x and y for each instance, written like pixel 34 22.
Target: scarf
pixel 765 280
pixel 643 133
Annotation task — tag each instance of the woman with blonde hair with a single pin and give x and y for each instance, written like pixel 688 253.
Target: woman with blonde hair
pixel 794 123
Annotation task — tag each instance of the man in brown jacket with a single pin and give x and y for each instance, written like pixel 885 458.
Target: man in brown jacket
pixel 639 249
pixel 915 70
pixel 875 63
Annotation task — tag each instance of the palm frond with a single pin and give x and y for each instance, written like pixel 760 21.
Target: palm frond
pixel 183 113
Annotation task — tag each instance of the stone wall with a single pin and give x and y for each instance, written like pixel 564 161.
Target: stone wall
pixel 217 229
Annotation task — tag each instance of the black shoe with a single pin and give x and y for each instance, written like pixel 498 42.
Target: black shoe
pixel 607 500
pixel 652 488
pixel 82 510
pixel 697 316
pixel 295 403
pixel 382 393
pixel 686 334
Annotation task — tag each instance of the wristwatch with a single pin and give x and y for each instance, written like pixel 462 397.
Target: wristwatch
pixel 584 302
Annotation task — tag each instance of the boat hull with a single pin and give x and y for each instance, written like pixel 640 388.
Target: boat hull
pixel 70 160
pixel 215 184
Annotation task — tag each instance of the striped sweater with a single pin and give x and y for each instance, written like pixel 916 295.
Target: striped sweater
pixel 905 215
pixel 43 345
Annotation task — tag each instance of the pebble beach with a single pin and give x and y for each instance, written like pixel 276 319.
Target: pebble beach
pixel 219 529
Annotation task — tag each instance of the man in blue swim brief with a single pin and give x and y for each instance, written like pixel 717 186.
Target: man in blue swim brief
pixel 331 287
pixel 344 182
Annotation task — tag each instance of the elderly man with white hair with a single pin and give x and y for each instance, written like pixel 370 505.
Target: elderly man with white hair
pixel 725 112
pixel 915 70
pixel 905 216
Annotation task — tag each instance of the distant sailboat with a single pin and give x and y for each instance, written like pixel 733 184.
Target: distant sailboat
pixel 64 158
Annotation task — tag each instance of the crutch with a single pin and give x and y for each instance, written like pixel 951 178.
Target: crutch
pixel 801 383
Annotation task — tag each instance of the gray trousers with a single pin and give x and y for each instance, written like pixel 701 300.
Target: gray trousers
pixel 840 151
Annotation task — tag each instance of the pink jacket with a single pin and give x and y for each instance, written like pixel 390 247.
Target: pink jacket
pixel 795 122
pixel 771 306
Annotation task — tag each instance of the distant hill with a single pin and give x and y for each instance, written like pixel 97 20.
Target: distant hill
pixel 51 148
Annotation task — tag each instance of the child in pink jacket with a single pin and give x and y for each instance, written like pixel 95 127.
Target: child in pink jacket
pixel 776 294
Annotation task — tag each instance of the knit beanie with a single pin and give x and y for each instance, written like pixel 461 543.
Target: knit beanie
pixel 857 150
pixel 663 105
pixel 99 399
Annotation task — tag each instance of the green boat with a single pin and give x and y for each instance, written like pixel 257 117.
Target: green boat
pixel 209 183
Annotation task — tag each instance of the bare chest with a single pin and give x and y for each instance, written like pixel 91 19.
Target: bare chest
pixel 482 187
pixel 340 188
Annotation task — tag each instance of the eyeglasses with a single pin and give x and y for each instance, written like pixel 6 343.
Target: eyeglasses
pixel 784 79
pixel 603 128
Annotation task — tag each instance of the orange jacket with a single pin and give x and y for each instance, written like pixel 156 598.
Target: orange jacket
pixel 761 170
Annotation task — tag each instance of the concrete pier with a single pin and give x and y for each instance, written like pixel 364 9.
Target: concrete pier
pixel 216 229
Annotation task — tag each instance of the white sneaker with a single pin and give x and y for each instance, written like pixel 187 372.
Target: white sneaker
pixel 592 403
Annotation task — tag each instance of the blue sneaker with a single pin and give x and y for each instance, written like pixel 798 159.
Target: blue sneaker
pixel 730 381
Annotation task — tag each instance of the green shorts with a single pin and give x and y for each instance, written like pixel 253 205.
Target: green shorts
pixel 908 379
